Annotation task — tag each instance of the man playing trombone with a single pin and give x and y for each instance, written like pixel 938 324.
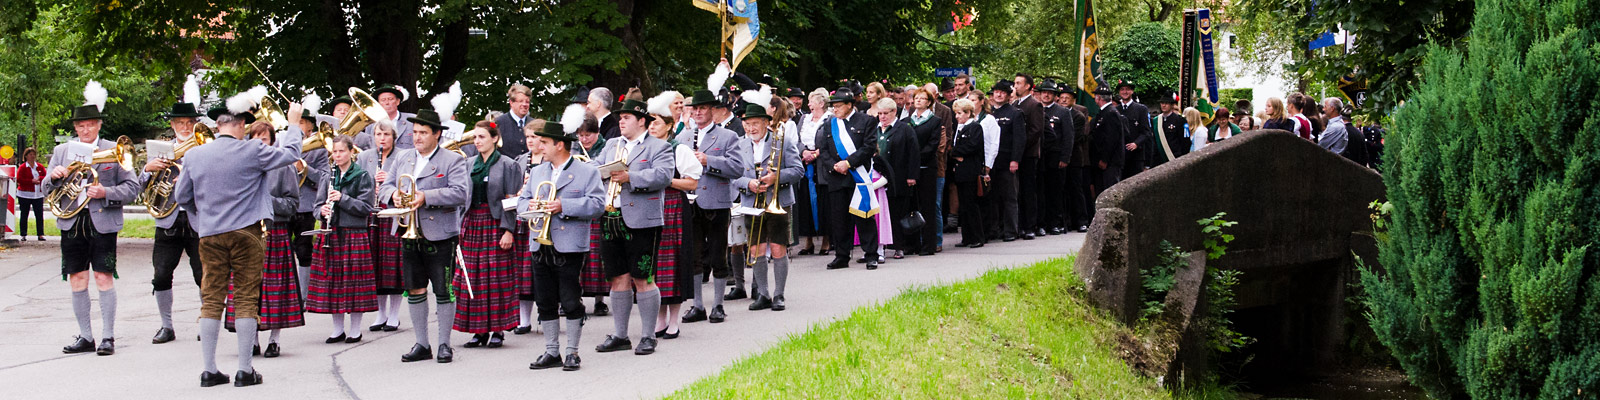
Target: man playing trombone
pixel 567 195
pixel 767 184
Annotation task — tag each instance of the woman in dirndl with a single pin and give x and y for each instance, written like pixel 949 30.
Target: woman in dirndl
pixel 674 260
pixel 386 254
pixel 489 308
pixel 343 279
pixel 523 259
pixel 280 288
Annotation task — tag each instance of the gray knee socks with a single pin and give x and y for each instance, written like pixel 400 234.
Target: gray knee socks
pixel 208 342
pixel 447 320
pixel 108 312
pixel 649 306
pixel 552 336
pixel 758 276
pixel 419 318
pixel 164 305
pixel 718 290
pixel 699 291
pixel 247 341
pixel 574 332
pixel 80 309
pixel 780 275
pixel 621 310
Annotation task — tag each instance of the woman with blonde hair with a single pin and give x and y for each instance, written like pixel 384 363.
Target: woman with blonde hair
pixel 1195 129
pixel 1276 119
pixel 809 219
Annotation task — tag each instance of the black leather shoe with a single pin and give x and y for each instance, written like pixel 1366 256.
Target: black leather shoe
pixel 962 244
pixel 806 252
pixel 695 314
pixel 839 263
pixel 647 346
pixel 761 303
pixel 717 316
pixel 271 352
pixel 353 339
pixel 446 354
pixel 736 294
pixel 209 379
pixel 418 353
pixel 163 335
pixel 777 303
pixel 335 339
pixel 255 350
pixel 1009 238
pixel 246 378
pixel 661 333
pixel 546 361
pixel 862 260
pixel 614 343
pixel 925 253
pixel 477 341
pixel 872 265
pixel 391 328
pixel 108 346
pixel 571 363
pixel 496 340
pixel 1027 236
pixel 601 310
pixel 669 335
pixel 523 330
pixel 375 327
pixel 976 245
pixel 79 345
pixel 1083 228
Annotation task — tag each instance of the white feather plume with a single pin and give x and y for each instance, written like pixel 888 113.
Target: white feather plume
pixel 243 102
pixel 572 118
pixel 191 91
pixel 404 95
pixel 95 95
pixel 312 103
pixel 662 103
pixel 761 97
pixel 718 78
pixel 445 103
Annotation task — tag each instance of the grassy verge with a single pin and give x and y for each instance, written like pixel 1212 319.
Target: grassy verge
pixel 1013 333
pixel 131 227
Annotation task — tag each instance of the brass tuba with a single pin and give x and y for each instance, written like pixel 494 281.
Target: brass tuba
pixel 321 139
pixel 268 111
pixel 63 199
pixel 365 112
pixel 405 215
pixel 538 214
pixel 157 193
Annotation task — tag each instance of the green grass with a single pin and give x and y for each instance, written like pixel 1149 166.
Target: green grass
pixel 131 227
pixel 1011 333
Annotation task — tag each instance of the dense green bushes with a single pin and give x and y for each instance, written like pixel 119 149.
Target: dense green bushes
pixel 1491 288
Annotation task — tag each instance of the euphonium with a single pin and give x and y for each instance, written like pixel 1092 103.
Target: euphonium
pixel 269 112
pixel 63 199
pixel 543 194
pixel 157 193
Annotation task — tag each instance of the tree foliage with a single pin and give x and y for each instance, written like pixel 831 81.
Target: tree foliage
pixel 1147 55
pixel 1492 287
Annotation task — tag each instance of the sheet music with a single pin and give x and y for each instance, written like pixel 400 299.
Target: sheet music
pixel 79 151
pixel 159 149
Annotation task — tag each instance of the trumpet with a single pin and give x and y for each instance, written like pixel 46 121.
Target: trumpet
pixel 63 199
pixel 614 188
pixel 157 193
pixel 405 215
pixel 538 214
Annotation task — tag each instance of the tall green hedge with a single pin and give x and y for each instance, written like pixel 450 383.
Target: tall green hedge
pixel 1491 289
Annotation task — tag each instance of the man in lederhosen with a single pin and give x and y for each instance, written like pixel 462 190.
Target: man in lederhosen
pixel 767 231
pixel 713 197
pixel 631 226
pixel 174 236
pixel 579 198
pixel 441 192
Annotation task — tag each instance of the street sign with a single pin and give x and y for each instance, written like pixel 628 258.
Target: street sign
pixel 951 72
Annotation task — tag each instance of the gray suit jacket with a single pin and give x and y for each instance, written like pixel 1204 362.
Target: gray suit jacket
pixel 354 205
pixel 144 179
pixel 225 182
pixel 121 187
pixel 722 165
pixel 791 171
pixel 402 127
pixel 650 169
pixel 284 186
pixel 316 173
pixel 505 180
pixel 582 198
pixel 444 187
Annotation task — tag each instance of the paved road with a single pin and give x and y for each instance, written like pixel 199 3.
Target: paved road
pixel 35 322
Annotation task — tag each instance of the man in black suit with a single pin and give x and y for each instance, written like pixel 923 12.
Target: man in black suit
pixel 1080 165
pixel 1033 118
pixel 1137 143
pixel 1007 161
pixel 1106 132
pixel 1172 143
pixel 599 105
pixel 510 124
pixel 1055 153
pixel 842 167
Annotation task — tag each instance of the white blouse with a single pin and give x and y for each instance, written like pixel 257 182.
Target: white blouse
pixel 688 165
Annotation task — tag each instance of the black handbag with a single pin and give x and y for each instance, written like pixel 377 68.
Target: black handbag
pixel 911 222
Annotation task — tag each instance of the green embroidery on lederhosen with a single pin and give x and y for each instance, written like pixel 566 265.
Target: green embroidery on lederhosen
pixel 648 265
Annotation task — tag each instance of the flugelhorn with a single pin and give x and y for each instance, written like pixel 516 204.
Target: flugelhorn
pixel 157 193
pixel 538 214
pixel 63 199
pixel 614 188
pixel 405 215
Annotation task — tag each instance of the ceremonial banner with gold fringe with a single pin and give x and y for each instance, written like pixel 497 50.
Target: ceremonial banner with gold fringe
pixel 740 26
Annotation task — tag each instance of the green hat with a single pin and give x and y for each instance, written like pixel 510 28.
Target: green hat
pixel 756 111
pixel 1049 86
pixel 182 110
pixel 555 131
pixel 86 112
pixel 704 98
pixel 637 108
pixel 428 117
pixel 340 99
pixel 221 109
pixel 307 114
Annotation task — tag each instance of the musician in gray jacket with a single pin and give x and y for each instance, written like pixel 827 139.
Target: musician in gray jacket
pixel 89 239
pixel 631 226
pixel 441 192
pixel 174 237
pixel 773 169
pixel 224 186
pixel 708 231
pixel 578 199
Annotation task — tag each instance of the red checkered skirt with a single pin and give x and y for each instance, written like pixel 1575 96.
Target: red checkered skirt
pixel 390 278
pixel 280 287
pixel 522 259
pixel 492 305
pixel 342 276
pixel 593 277
pixel 668 254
